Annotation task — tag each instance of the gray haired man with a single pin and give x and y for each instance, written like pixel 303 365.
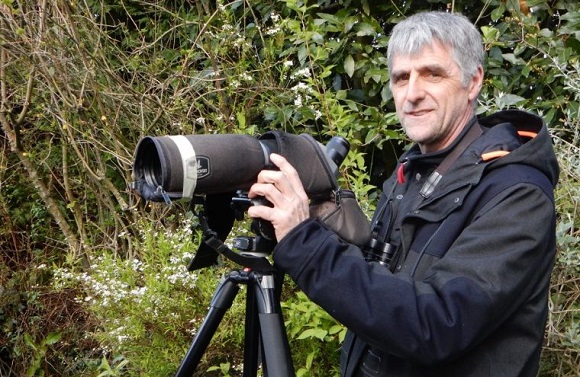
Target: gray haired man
pixel 456 277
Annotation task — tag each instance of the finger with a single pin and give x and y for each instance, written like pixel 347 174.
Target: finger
pixel 286 168
pixel 262 212
pixel 267 190
pixel 269 182
pixel 277 188
pixel 295 183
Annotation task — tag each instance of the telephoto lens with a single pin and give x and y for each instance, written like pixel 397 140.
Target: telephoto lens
pixel 174 167
pixel 183 165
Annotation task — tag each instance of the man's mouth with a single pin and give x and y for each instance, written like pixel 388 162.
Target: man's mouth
pixel 417 113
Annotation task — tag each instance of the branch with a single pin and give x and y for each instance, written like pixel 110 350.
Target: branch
pixel 43 191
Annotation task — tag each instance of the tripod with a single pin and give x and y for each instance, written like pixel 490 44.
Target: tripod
pixel 265 337
pixel 264 325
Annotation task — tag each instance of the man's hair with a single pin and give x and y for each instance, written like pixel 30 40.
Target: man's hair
pixel 451 29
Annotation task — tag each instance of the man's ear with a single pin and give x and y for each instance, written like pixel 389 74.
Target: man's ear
pixel 476 84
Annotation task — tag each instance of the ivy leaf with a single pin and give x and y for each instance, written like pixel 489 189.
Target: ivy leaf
pixel 365 29
pixel 508 100
pixel 512 59
pixel 349 65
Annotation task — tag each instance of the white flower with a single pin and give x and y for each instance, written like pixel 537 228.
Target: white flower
pixel 246 77
pixel 301 87
pixel 272 31
pixel 304 72
pixel 298 101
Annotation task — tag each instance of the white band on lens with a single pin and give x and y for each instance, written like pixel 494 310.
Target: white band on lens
pixel 189 165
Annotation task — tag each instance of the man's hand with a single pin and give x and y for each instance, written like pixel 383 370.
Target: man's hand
pixel 285 191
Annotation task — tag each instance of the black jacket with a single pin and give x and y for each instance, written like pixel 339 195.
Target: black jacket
pixel 467 294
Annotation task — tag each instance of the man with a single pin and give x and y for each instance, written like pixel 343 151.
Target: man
pixel 455 281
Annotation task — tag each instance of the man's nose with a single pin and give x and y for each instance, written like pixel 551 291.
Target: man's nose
pixel 415 89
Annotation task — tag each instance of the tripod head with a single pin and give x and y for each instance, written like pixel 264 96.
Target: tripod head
pixel 216 218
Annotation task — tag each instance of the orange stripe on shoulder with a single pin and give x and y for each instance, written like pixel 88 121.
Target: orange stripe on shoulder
pixel 528 134
pixel 493 155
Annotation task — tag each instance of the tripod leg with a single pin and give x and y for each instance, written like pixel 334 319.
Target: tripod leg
pixel 221 302
pixel 251 336
pixel 276 351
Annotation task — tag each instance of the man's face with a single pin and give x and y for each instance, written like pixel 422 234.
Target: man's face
pixel 432 103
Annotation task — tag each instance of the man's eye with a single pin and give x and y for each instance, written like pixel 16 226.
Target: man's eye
pixel 401 78
pixel 434 75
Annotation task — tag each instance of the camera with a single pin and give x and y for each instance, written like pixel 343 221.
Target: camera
pixel 216 170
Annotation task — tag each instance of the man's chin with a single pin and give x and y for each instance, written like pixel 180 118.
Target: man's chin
pixel 416 131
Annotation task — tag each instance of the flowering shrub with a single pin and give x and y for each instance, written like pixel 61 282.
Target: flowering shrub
pixel 149 306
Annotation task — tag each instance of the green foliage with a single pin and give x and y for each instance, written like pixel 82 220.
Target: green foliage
pixel 40 350
pixel 149 307
pixel 116 369
pixel 314 336
pixel 42 330
pixel 533 65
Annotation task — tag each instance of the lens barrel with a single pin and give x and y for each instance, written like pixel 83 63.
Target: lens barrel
pixel 183 165
pixel 179 166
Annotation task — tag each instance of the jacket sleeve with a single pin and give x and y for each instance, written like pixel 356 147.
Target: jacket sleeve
pixel 502 257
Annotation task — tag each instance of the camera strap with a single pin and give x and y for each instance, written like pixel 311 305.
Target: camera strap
pixel 473 133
